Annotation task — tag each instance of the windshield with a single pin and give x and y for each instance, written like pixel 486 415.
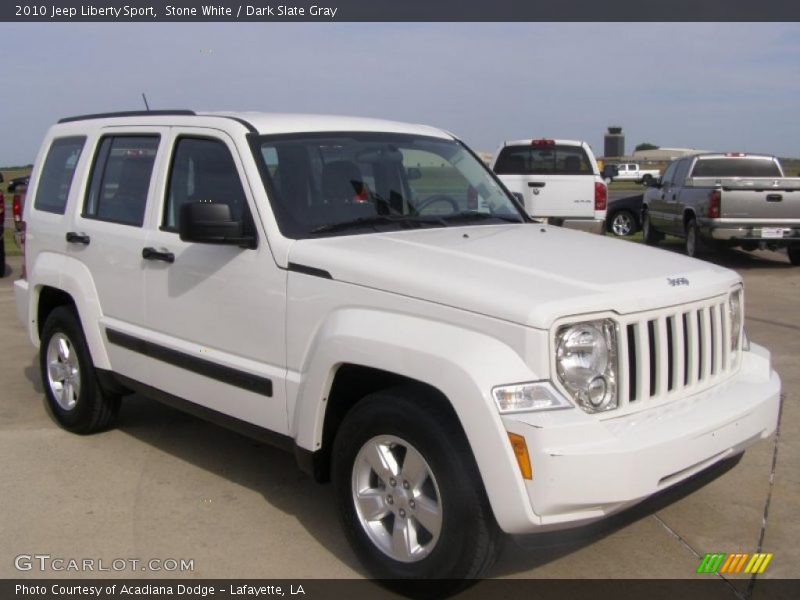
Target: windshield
pixel 341 183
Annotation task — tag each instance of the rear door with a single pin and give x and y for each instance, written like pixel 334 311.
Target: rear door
pixel 676 196
pixel 554 180
pixel 108 233
pixel 657 206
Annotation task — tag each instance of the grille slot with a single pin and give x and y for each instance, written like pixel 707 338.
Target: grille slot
pixel 674 353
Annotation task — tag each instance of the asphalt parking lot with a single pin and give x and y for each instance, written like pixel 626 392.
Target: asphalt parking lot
pixel 164 485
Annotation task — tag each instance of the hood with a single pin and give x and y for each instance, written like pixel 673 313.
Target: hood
pixel 529 274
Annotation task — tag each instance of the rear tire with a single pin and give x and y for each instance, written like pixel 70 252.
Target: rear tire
pixel 623 223
pixel 70 382
pixel 794 255
pixel 694 242
pixel 410 498
pixel 651 236
pixel 647 180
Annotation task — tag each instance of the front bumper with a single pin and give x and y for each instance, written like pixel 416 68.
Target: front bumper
pixel 586 468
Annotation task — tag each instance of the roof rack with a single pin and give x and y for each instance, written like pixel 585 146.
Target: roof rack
pixel 129 113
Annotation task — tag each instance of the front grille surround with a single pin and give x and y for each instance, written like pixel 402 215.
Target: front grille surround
pixel 670 353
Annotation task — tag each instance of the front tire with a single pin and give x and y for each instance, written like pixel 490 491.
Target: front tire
pixel 69 380
pixel 651 236
pixel 410 498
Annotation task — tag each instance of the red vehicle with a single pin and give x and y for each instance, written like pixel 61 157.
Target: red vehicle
pixel 2 235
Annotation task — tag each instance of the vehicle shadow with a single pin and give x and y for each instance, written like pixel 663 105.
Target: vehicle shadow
pixel 734 258
pixel 270 472
pixel 274 475
pixel 524 552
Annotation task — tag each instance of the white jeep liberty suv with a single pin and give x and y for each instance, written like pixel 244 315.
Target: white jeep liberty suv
pixel 368 295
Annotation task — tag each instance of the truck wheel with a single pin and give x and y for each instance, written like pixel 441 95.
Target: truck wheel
pixel 694 243
pixel 651 236
pixel 647 180
pixel 794 255
pixel 68 376
pixel 410 498
pixel 623 223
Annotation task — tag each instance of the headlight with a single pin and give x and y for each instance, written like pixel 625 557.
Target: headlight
pixel 736 314
pixel 586 363
pixel 527 397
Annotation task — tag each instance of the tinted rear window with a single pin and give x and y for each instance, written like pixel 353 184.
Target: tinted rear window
pixel 543 160
pixel 735 167
pixel 56 178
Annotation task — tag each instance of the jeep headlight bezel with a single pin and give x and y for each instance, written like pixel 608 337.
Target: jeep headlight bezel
pixel 586 362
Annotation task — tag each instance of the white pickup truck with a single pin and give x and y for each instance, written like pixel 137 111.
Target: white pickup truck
pixel 557 181
pixel 633 172
pixel 366 295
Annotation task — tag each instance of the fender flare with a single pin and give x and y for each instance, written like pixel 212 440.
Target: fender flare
pixel 462 364
pixel 72 277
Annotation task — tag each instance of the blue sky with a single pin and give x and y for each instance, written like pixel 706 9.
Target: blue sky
pixel 711 86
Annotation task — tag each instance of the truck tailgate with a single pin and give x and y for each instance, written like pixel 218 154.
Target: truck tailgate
pixel 760 198
pixel 554 195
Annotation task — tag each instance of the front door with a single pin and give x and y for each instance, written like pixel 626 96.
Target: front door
pixel 216 313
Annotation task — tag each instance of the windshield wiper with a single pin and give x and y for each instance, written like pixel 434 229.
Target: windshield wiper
pixel 405 221
pixel 474 215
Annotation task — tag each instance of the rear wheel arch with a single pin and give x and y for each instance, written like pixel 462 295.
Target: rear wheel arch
pixel 50 298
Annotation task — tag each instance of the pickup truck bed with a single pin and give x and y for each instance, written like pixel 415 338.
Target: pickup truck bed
pixel 724 209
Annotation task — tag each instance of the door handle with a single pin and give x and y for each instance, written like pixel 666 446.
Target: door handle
pixel 150 253
pixel 774 198
pixel 674 196
pixel 78 238
pixel 536 184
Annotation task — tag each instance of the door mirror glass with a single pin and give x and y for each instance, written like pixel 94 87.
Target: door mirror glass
pixel 212 223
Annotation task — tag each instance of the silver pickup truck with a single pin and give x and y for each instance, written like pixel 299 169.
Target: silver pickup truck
pixel 726 200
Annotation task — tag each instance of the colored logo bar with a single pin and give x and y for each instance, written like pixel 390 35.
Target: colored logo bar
pixel 738 562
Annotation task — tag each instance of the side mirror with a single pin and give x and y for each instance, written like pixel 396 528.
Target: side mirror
pixel 211 223
pixel 413 173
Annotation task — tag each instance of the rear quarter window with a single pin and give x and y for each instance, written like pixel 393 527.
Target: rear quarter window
pixel 57 174
pixel 553 159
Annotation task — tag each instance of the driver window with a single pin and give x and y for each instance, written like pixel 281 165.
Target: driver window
pixel 437 185
pixel 202 170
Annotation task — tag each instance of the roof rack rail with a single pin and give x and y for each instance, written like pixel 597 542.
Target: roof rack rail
pixel 129 113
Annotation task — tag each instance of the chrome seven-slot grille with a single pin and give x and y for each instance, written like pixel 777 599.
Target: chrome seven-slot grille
pixel 675 352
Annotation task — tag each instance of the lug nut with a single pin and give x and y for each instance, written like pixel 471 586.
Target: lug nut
pixel 412 504
pixel 405 485
pixel 392 482
pixel 389 499
pixel 402 514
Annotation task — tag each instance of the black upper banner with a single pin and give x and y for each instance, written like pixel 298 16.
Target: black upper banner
pixel 401 10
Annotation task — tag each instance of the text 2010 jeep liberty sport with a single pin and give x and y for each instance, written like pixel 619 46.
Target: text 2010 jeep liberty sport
pixel 367 294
